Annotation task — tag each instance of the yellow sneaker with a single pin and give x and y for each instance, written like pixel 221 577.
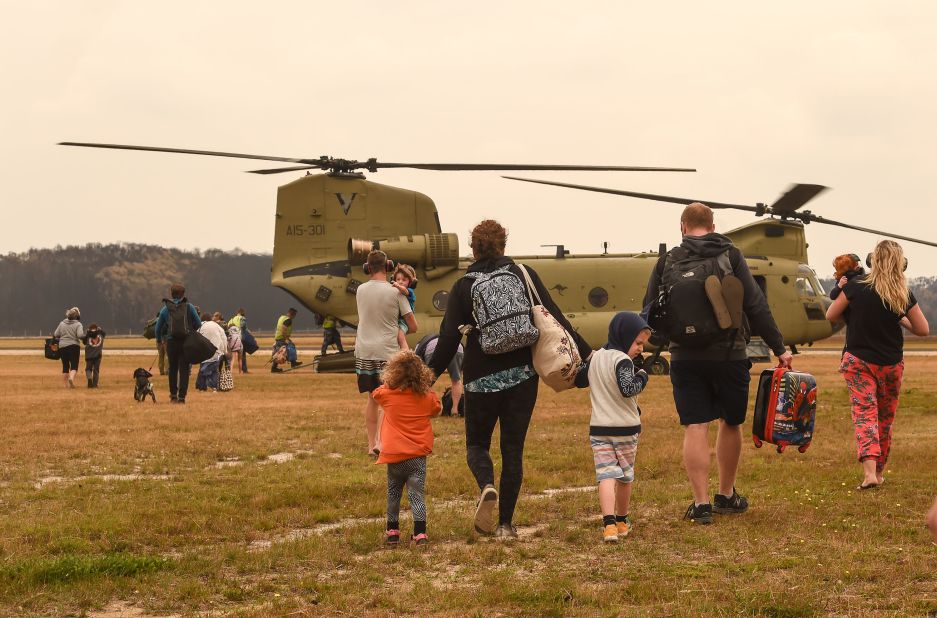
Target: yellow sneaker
pixel 624 527
pixel 611 533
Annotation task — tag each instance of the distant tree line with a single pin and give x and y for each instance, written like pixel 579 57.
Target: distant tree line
pixel 120 286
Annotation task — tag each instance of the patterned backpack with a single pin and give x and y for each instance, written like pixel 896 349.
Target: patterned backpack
pixel 501 309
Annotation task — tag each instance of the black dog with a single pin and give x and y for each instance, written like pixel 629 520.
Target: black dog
pixel 142 385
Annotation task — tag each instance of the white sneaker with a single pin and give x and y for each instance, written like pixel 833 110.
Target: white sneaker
pixel 485 510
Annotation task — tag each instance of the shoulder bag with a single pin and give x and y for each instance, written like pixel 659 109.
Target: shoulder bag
pixel 556 357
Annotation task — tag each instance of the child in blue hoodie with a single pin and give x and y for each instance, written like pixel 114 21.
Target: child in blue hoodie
pixel 616 419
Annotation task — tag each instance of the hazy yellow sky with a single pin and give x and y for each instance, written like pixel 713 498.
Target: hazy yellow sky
pixel 756 95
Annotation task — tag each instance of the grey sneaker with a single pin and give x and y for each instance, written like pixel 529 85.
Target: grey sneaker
pixel 702 514
pixel 730 505
pixel 485 510
pixel 506 532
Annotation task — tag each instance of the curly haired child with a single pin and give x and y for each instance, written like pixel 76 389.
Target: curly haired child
pixel 404 279
pixel 407 438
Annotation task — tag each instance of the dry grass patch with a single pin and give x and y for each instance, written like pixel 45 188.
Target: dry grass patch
pixel 262 502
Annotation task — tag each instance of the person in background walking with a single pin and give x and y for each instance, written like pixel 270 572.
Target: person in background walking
pixel 176 320
pixel 240 320
pixel 94 347
pixel 282 338
pixel 69 332
pixel 208 371
pixel 330 335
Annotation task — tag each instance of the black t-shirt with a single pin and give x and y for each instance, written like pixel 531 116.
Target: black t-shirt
pixel 874 333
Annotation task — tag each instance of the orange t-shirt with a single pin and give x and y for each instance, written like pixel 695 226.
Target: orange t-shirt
pixel 406 431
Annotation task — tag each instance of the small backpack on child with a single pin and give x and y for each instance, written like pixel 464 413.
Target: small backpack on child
pixel 502 312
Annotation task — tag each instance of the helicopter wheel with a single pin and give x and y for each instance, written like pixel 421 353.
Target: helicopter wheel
pixel 657 366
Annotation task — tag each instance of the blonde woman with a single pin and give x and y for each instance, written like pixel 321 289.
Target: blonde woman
pixel 880 304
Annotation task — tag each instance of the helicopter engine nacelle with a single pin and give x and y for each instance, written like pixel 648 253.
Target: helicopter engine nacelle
pixel 436 254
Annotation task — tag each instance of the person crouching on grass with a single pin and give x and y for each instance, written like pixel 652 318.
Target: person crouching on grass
pixel 407 438
pixel 616 419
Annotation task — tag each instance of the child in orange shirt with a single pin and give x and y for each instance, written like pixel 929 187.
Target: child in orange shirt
pixel 406 439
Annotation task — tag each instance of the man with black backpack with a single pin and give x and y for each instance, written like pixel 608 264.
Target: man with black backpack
pixel 176 320
pixel 703 298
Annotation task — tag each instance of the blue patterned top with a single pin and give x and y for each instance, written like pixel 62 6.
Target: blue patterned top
pixel 502 380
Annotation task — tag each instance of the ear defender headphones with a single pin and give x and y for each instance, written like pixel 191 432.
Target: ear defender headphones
pixel 389 267
pixel 868 262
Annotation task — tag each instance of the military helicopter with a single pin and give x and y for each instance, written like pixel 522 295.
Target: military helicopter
pixel 327 223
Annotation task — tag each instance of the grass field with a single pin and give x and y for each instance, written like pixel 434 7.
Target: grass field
pixel 262 502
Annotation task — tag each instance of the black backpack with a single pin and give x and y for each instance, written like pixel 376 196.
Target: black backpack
pixel 682 311
pixel 179 325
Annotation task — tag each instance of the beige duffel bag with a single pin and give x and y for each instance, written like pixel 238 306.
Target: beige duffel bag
pixel 556 357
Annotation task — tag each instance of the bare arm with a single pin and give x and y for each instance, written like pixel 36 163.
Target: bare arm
pixel 835 312
pixel 919 325
pixel 411 323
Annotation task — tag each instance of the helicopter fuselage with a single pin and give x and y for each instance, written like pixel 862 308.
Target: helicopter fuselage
pixel 326 224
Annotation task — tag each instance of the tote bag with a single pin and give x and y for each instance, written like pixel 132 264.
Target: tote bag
pixel 556 357
pixel 225 379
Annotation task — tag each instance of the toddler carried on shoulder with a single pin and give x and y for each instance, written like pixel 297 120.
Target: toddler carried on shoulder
pixel 405 281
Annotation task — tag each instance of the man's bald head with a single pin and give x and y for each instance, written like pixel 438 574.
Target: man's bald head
pixel 697 220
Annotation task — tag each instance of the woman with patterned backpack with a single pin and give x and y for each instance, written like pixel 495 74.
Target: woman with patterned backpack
pixel 491 304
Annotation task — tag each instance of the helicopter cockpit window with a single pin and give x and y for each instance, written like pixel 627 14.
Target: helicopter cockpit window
pixel 805 287
pixel 440 300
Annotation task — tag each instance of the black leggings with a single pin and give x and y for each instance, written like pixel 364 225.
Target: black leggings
pixel 513 408
pixel 69 355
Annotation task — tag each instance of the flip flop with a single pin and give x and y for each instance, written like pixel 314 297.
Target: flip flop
pixel 374 453
pixel 862 487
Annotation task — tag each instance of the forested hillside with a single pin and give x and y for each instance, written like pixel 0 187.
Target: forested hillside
pixel 120 286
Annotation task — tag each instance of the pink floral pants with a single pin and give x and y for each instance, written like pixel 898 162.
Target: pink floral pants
pixel 874 392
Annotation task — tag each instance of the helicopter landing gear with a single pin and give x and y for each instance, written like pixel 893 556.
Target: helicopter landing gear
pixel 656 365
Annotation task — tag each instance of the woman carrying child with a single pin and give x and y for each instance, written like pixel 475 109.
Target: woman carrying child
pixel 404 279
pixel 873 362
pixel 406 439
pixel 616 418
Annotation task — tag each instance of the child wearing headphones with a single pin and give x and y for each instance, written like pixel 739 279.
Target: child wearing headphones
pixel 404 279
pixel 846 268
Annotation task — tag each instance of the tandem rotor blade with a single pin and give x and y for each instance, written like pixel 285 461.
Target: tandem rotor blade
pixel 796 197
pixel 280 170
pixel 467 167
pixel 644 196
pixel 210 153
pixel 808 217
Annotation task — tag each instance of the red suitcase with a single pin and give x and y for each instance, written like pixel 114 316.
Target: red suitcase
pixel 785 409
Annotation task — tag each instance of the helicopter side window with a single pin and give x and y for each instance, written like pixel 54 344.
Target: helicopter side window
pixel 804 287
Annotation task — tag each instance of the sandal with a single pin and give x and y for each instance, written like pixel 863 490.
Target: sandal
pixel 391 538
pixel 420 540
pixel 374 453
